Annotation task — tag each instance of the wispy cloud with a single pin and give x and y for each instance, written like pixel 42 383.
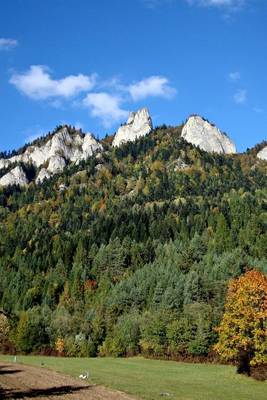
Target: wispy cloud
pixel 226 4
pixel 105 106
pixel 79 125
pixel 7 44
pixel 230 4
pixel 152 4
pixel 234 76
pixel 34 133
pixel 154 86
pixel 240 97
pixel 258 110
pixel 38 84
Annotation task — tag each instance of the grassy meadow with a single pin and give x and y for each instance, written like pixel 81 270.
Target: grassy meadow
pixel 153 379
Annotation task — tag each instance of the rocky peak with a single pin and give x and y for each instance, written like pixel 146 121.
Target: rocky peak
pixel 139 124
pixel 53 155
pixel 208 137
pixel 14 177
pixel 262 155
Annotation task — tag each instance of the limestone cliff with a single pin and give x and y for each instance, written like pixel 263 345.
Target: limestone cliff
pixel 139 124
pixel 208 137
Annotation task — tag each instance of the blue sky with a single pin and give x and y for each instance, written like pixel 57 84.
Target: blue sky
pixel 89 63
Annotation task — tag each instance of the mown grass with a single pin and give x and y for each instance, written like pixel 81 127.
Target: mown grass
pixel 153 379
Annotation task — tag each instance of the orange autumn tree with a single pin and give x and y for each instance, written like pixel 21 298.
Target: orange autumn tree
pixel 243 330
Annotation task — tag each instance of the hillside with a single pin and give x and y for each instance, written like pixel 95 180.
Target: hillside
pixel 130 250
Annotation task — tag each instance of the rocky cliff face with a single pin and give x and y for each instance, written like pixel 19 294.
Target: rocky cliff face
pixel 208 137
pixel 43 174
pixel 15 177
pixel 53 156
pixel 139 124
pixel 262 155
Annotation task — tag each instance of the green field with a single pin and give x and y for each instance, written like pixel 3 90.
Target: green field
pixel 151 379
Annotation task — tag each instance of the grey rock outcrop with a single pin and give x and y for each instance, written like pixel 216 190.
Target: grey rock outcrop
pixel 56 164
pixel 4 163
pixel 90 146
pixel 43 174
pixel 262 155
pixel 54 154
pixel 207 136
pixel 139 124
pixel 14 177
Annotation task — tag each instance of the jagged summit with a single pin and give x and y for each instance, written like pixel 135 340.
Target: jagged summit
pixel 208 137
pixel 54 154
pixel 50 154
pixel 138 124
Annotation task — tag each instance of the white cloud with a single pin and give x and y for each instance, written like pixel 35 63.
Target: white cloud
pixel 233 4
pixel 105 102
pixel 7 44
pixel 240 97
pixel 234 76
pixel 154 86
pixel 38 84
pixel 105 106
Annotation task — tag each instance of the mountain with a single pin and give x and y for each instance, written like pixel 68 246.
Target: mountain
pixel 208 137
pixel 128 249
pixel 67 146
pixel 52 156
pixel 139 124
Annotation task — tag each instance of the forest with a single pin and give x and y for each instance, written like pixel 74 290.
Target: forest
pixel 132 251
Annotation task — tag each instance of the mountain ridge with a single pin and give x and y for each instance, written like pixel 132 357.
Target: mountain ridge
pixel 53 152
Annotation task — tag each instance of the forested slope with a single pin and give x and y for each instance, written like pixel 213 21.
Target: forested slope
pixel 132 250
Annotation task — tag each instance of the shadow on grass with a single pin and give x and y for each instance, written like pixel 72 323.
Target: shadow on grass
pixel 35 393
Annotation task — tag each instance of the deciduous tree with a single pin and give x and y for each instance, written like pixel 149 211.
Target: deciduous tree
pixel 243 330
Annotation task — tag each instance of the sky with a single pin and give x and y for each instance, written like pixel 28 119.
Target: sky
pixel 89 63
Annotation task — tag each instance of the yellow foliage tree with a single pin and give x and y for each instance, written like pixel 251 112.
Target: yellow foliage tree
pixel 4 327
pixel 60 346
pixel 243 330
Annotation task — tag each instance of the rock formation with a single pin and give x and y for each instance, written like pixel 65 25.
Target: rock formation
pixel 56 164
pixel 262 155
pixel 53 155
pixel 14 177
pixel 43 174
pixel 207 136
pixel 139 124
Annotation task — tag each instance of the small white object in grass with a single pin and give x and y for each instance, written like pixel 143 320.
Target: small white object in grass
pixel 84 376
pixel 15 359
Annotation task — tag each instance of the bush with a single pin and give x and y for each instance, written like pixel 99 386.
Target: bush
pixel 31 331
pixel 124 338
